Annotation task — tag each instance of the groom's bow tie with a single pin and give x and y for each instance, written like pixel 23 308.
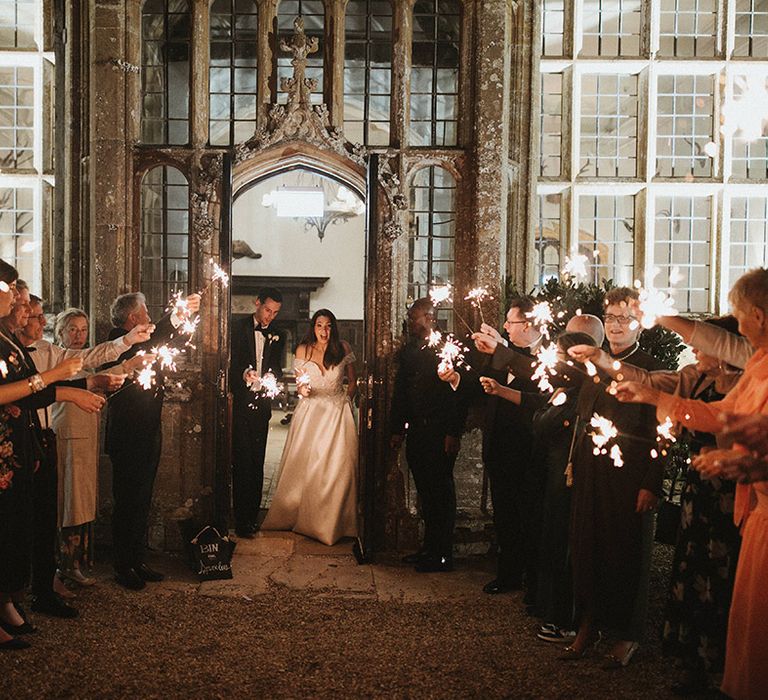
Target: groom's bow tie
pixel 260 329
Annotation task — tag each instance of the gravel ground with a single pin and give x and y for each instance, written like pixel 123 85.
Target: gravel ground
pixel 177 643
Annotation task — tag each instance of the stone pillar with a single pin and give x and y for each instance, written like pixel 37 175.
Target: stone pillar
pixel 333 73
pixel 199 62
pixel 492 78
pixel 110 161
pixel 402 31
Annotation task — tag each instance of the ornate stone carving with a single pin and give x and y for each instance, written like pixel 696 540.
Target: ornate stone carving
pixel 299 119
pixel 389 179
pixel 204 195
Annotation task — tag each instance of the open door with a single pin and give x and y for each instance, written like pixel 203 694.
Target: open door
pixel 223 397
pixel 368 383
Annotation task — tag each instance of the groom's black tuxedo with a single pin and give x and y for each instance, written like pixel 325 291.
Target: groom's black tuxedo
pixel 250 417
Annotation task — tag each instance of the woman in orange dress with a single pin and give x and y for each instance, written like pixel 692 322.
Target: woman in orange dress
pixel 746 656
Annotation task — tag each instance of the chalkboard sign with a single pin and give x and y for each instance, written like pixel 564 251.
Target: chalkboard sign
pixel 212 555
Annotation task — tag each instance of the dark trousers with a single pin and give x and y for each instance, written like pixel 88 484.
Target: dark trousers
pixel 45 484
pixel 432 471
pixel 133 480
pixel 250 428
pixel 507 495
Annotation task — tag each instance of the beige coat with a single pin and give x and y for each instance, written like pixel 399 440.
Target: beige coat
pixel 77 435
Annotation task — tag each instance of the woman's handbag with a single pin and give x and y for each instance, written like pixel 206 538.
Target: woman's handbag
pixel 212 555
pixel 668 517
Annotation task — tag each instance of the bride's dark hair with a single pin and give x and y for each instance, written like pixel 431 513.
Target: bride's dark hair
pixel 335 352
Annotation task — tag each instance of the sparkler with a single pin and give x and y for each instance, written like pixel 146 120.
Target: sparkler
pixel 576 266
pixel 166 356
pixel 590 367
pixel 616 456
pixel 605 431
pixel 654 303
pixel 146 377
pixel 477 296
pixel 451 354
pixel 270 387
pixel 546 362
pixel 3 369
pixel 302 380
pixel 541 316
pixel 444 293
pixel 434 338
pixel 664 431
pixel 559 399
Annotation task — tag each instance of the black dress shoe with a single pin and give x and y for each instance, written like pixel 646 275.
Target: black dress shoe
pixel 16 630
pixel 14 644
pixel 416 557
pixel 130 579
pixel 54 606
pixel 434 565
pixel 148 574
pixel 246 531
pixel 499 586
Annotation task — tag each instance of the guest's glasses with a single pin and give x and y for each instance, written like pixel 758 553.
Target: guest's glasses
pixel 621 320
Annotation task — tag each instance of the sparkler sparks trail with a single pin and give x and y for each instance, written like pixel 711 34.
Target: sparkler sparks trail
pixel 451 354
pixel 219 275
pixel 541 316
pixel 664 430
pixel 3 369
pixel 605 431
pixel 146 377
pixel 441 293
pixel 616 456
pixel 302 380
pixel 166 356
pixel 559 399
pixel 590 367
pixel 576 266
pixel 654 303
pixel 477 296
pixel 270 387
pixel 434 339
pixel 546 361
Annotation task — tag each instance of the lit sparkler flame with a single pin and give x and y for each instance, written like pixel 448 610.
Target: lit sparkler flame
pixel 302 379
pixel 541 317
pixel 576 266
pixel 616 456
pixel 452 353
pixel 590 367
pixel 146 377
pixel 270 387
pixel 434 339
pixel 3 369
pixel 655 303
pixel 438 295
pixel 664 430
pixel 166 356
pixel 559 399
pixel 477 296
pixel 546 361
pixel 605 431
pixel 219 275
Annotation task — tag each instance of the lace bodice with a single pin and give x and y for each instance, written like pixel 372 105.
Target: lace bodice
pixel 322 381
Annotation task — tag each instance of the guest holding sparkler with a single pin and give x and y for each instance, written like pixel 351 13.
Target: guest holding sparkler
pixel 24 390
pixel 708 543
pixel 746 657
pixel 612 502
pixel 316 491
pixel 133 438
pixel 257 352
pixel 430 417
pixel 507 438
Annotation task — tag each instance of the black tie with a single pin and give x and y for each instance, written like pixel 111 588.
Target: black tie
pixel 260 329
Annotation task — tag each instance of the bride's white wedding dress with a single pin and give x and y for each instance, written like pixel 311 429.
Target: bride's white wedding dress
pixel 316 491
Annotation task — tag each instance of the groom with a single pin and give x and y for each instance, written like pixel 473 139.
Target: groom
pixel 256 348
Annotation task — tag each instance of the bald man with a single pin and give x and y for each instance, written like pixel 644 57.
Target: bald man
pixel 589 324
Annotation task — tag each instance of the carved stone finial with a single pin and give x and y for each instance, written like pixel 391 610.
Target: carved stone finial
pixel 299 87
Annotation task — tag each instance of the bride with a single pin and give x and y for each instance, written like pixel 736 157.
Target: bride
pixel 316 492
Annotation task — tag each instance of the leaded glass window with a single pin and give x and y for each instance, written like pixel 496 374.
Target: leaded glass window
pixel 551 124
pixel 611 28
pixel 165 74
pixel 17 103
pixel 18 22
pixel 233 71
pixel 367 71
pixel 606 236
pixel 17 233
pixel 548 236
pixel 164 236
pixel 751 32
pixel 432 234
pixel 688 28
pixel 748 234
pixel 435 72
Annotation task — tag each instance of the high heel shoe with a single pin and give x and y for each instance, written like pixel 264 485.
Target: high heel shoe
pixel 613 662
pixel 570 653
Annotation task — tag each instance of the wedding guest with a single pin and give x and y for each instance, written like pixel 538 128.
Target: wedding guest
pixel 708 543
pixel 746 656
pixel 612 518
pixel 430 417
pixel 507 438
pixel 133 437
pixel 16 503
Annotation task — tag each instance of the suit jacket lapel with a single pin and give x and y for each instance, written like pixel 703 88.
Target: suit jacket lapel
pixel 250 340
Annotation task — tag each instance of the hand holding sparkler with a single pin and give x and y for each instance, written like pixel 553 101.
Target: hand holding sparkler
pixel 731 464
pixel 140 333
pixel 476 297
pixel 490 386
pixel 135 363
pixel 105 382
pixel 485 343
pixel 252 379
pixel 66 369
pixel 303 388
pixel 635 392
pixel 750 431
pixel 584 353
pixel 448 374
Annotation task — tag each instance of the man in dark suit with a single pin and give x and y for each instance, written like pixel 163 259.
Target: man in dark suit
pixel 257 348
pixel 507 440
pixel 430 417
pixel 133 438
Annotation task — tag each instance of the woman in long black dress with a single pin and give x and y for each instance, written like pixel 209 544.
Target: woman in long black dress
pixel 22 391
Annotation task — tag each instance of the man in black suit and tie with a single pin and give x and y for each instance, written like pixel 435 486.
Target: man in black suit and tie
pixel 133 437
pixel 256 349
pixel 507 440
pixel 430 417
